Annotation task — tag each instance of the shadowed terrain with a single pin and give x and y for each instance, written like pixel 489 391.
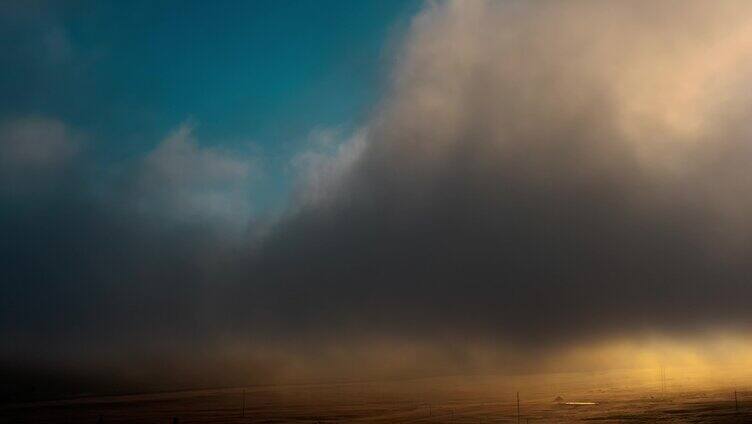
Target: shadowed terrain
pixel 619 396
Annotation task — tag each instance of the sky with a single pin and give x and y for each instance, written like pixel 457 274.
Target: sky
pixel 258 76
pixel 198 194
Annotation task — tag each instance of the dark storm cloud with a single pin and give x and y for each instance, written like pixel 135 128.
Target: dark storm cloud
pixel 540 174
pixel 98 259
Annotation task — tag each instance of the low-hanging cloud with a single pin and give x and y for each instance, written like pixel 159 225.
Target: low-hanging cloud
pixel 538 175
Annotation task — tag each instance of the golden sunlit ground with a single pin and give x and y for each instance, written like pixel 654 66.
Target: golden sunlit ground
pixel 619 396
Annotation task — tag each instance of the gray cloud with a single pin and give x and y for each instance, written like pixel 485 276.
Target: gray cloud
pixel 540 174
pixel 97 260
pixel 35 150
pixel 189 182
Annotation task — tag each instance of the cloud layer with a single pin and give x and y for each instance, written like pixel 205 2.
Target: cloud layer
pixel 539 175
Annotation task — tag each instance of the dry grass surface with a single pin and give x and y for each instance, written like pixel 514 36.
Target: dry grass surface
pixel 619 397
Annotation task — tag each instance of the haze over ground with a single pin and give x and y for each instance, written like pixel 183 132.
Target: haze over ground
pixel 511 187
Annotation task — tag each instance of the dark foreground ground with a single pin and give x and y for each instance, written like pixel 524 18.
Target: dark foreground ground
pixel 618 398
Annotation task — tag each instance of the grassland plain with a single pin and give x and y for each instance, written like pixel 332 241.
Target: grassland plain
pixel 643 396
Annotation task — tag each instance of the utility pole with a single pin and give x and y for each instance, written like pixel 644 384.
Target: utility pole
pixel 662 376
pixel 243 402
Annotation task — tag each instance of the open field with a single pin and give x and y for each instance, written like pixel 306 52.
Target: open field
pixel 618 397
